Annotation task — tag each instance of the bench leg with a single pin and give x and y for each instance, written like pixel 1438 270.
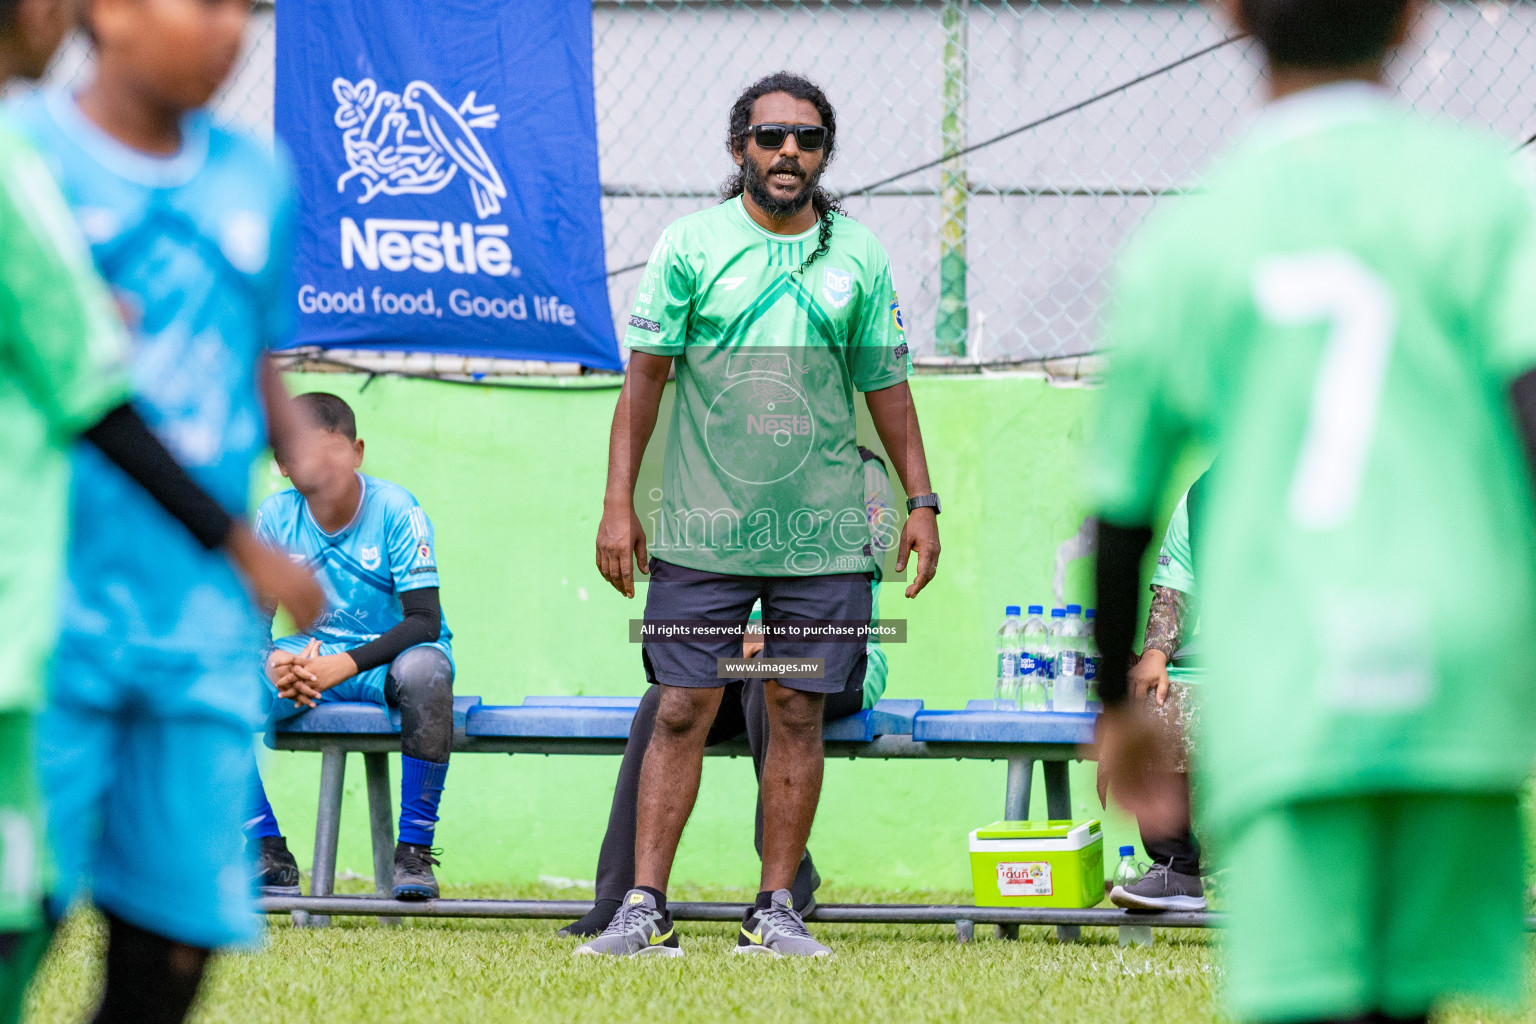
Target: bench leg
pixel 965 930
pixel 1016 801
pixel 1058 807
pixel 381 820
pixel 333 775
pixel 1021 772
pixel 1058 791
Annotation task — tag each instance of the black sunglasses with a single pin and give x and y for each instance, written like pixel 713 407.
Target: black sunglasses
pixel 772 136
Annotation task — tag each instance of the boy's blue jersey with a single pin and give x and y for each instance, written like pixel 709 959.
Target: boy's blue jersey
pixel 197 250
pixel 385 551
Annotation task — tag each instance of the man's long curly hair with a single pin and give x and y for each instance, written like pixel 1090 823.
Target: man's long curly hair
pixel 823 202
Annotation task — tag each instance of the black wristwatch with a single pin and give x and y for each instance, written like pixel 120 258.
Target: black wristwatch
pixel 924 501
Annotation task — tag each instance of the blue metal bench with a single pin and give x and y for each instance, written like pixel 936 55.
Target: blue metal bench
pixel 600 725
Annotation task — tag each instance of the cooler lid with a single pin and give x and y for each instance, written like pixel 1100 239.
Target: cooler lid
pixel 1036 829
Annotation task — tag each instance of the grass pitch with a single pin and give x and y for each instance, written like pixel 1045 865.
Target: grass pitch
pixel 357 972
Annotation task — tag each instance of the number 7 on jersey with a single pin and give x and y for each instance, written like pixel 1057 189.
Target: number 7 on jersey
pixel 1335 288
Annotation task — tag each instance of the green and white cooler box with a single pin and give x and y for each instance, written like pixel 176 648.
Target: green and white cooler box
pixel 1038 864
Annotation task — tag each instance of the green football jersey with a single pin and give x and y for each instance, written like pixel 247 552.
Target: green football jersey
pixel 761 475
pixel 1175 560
pixel 63 364
pixel 1340 314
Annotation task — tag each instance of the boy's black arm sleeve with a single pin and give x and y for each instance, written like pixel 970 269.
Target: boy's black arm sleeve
pixel 423 623
pixel 124 438
pixel 1118 574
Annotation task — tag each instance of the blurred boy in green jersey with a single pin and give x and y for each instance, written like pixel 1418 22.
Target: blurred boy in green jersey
pixel 1345 313
pixel 63 375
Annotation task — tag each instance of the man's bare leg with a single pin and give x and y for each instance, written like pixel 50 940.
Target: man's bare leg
pixel 669 778
pixel 791 782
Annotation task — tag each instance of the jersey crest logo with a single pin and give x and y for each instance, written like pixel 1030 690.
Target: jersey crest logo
pixel 369 557
pixel 837 286
pixel 415 142
pixel 424 551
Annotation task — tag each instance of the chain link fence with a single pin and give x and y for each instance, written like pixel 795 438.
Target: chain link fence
pixel 1000 252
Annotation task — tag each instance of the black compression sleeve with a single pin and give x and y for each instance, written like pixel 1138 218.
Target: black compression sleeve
pixel 1119 590
pixel 125 439
pixel 423 623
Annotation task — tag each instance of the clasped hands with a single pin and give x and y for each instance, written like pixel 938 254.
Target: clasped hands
pixel 304 676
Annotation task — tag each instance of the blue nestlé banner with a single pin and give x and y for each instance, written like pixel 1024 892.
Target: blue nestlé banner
pixel 446 154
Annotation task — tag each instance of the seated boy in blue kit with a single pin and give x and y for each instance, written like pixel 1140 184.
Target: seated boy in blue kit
pixel 381 639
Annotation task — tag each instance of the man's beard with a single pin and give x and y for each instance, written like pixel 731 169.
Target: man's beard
pixel 756 185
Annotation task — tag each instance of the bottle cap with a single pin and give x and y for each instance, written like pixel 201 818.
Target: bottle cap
pixel 1058 613
pixel 1074 609
pixel 1035 609
pixel 1012 609
pixel 1090 614
pixel 1127 851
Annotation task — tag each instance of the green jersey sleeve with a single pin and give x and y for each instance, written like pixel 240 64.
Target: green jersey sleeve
pixel 664 304
pixel 1139 431
pixel 1175 561
pixel 60 330
pixel 1512 306
pixel 878 356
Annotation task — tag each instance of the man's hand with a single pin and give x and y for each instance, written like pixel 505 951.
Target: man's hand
pixel 1136 758
pixel 620 537
pixel 293 680
pixel 1149 675
pixel 920 534
pixel 276 579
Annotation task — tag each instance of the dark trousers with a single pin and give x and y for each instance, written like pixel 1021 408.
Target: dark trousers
pixel 743 709
pixel 1181 852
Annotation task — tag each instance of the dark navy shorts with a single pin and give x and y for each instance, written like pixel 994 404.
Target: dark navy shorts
pixel 680 594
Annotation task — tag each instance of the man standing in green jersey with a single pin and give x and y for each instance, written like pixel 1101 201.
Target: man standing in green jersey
pixel 775 310
pixel 1344 312
pixel 63 374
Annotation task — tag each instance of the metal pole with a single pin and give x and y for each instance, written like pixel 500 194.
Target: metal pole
pixel 1021 771
pixel 841 913
pixel 381 820
pixel 322 875
pixel 1058 807
pixel 952 323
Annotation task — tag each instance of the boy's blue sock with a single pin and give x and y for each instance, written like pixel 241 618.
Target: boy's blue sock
pixel 262 824
pixel 421 787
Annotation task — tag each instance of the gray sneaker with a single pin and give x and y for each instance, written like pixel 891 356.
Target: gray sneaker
pixel 637 929
pixel 777 931
pixel 1161 888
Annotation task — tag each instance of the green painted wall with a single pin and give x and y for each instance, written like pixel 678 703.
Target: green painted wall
pixel 513 480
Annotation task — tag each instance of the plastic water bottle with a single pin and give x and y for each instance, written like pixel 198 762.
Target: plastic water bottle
pixel 1127 873
pixel 1053 652
pixel 1071 690
pixel 1010 642
pixel 1091 649
pixel 1035 663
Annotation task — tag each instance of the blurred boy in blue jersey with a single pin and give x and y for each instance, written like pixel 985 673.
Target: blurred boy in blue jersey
pixel 382 638
pixel 145 747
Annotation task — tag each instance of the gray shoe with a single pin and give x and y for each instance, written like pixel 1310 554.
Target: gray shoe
pixel 1161 888
pixel 777 931
pixel 414 879
pixel 638 929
